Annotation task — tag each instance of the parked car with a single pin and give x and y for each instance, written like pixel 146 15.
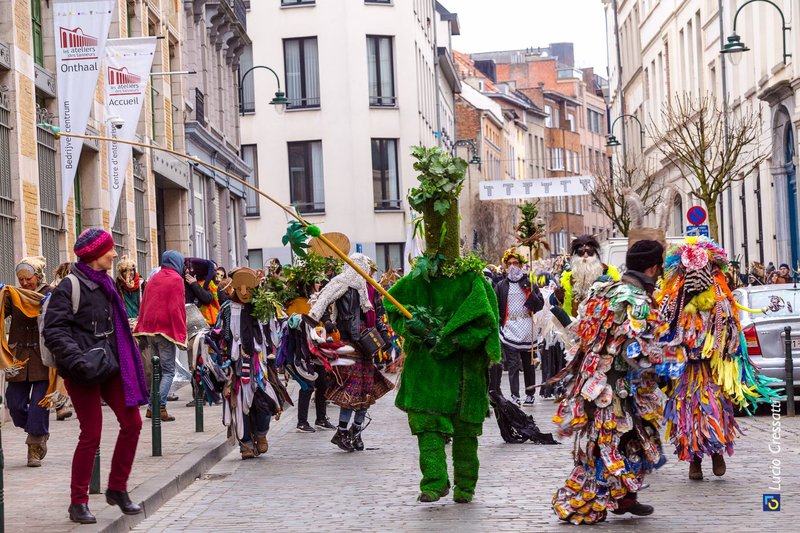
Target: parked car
pixel 764 333
pixel 613 251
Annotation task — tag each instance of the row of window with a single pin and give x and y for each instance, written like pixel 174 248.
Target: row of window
pixel 306 176
pixel 301 72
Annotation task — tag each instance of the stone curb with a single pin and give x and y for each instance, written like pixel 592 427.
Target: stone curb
pixel 155 492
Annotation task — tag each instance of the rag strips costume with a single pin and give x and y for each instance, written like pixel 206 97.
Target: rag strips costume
pixel 611 403
pixel 705 353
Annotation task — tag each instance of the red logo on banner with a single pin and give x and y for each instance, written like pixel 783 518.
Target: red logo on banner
pixel 77 45
pixel 123 82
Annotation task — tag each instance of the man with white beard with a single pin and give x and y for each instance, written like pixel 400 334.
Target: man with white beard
pixel 586 269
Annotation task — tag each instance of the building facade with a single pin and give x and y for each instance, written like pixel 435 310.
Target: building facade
pixel 31 219
pixel 365 81
pixel 575 128
pixel 666 49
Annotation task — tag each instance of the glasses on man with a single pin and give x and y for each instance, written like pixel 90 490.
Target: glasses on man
pixel 585 251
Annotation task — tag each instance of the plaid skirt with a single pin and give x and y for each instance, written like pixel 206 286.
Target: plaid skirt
pixel 357 386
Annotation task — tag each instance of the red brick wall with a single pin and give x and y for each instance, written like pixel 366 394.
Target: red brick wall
pixel 468 120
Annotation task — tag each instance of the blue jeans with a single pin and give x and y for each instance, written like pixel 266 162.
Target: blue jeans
pixel 262 420
pixel 166 352
pixel 345 414
pixel 23 399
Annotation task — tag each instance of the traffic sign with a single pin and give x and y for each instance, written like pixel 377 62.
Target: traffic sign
pixel 697 231
pixel 696 215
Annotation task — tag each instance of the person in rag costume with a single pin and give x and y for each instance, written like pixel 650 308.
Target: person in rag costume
pixel 586 268
pixel 350 306
pixel 705 354
pixel 130 286
pixel 253 393
pixel 201 289
pixel 612 403
pixel 449 344
pixel 28 378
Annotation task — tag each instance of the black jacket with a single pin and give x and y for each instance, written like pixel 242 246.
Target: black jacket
pixel 69 336
pixel 534 302
pixel 349 317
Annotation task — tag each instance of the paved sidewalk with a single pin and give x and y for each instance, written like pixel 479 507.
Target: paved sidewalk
pixel 305 484
pixel 36 499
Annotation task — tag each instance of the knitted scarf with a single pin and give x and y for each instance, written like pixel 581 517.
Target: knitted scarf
pixel 130 362
pixel 30 303
pixel 348 279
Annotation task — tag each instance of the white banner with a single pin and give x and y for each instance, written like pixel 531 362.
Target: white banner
pixel 81 29
pixel 538 188
pixel 128 63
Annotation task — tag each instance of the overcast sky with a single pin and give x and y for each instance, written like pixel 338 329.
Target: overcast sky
pixel 490 25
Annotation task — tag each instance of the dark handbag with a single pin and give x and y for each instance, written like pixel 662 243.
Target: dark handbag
pixel 94 367
pixel 370 342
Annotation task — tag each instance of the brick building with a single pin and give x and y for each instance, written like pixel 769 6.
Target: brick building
pixel 575 128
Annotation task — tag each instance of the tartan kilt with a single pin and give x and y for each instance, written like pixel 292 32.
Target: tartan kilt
pixel 357 386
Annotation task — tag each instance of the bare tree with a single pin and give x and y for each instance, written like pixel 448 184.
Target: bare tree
pixel 636 174
pixel 692 138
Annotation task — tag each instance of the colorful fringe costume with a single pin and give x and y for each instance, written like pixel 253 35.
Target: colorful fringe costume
pixel 705 353
pixel 611 402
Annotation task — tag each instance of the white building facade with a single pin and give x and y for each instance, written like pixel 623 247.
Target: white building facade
pixel 669 48
pixel 363 80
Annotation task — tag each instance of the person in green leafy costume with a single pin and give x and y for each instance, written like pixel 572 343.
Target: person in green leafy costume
pixel 451 339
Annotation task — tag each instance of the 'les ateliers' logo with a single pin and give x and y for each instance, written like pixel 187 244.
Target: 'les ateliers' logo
pixel 123 82
pixel 76 45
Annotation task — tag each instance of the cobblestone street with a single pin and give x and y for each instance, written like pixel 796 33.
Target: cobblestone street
pixel 305 484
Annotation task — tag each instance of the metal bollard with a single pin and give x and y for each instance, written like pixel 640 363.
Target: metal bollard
pixel 198 408
pixel 789 367
pixel 155 406
pixel 94 483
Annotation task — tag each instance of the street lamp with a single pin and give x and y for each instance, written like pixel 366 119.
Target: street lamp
pixel 279 101
pixel 613 142
pixel 475 160
pixel 735 46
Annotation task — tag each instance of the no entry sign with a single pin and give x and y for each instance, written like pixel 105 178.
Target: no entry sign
pixel 696 215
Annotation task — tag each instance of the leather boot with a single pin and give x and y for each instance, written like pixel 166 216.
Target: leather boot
pixel 121 499
pixel 35 455
pixel 63 413
pixel 718 464
pixel 80 513
pixel 695 469
pixel 261 444
pixel 355 439
pixel 247 452
pixel 342 440
pixel 165 416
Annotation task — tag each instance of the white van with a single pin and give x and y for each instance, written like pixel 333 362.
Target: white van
pixel 612 251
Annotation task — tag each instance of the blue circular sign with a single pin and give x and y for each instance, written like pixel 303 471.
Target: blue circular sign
pixel 696 215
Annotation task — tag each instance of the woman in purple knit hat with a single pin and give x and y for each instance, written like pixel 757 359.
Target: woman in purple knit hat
pixel 98 359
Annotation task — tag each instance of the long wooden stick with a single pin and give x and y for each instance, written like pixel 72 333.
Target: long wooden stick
pixel 343 256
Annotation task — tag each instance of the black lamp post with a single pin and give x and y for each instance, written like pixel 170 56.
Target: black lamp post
pixel 735 46
pixel 279 101
pixel 473 148
pixel 612 139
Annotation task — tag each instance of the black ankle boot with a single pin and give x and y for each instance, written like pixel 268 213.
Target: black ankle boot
pixel 342 440
pixel 121 499
pixel 80 513
pixel 355 439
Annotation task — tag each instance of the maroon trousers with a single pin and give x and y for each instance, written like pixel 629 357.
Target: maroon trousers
pixel 86 401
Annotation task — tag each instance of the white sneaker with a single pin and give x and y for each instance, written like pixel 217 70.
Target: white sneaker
pixel 516 400
pixel 529 399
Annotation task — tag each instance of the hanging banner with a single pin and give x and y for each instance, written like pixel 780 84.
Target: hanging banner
pixel 81 29
pixel 128 63
pixel 538 188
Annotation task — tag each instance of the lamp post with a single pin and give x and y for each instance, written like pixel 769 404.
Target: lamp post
pixel 613 142
pixel 279 101
pixel 735 46
pixel 473 149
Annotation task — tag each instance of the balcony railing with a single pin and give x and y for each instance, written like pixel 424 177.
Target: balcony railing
pixel 240 10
